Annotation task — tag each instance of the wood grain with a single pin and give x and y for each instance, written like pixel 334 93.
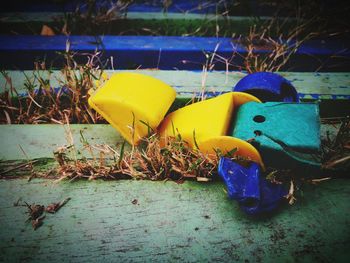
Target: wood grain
pixel 179 223
pixel 165 52
pixel 309 85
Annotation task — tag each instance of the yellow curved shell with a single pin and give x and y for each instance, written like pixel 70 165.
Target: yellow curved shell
pixel 133 103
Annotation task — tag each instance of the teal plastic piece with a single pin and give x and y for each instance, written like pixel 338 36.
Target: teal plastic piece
pixel 287 135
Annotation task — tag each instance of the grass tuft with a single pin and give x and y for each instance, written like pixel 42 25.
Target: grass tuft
pixel 153 161
pixel 41 103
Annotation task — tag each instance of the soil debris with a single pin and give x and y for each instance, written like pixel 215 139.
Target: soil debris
pixel 37 211
pixel 34 211
pixel 54 207
pixel 37 222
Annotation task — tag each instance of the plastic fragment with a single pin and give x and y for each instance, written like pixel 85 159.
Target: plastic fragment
pixel 268 86
pixel 205 124
pixel 133 103
pixel 253 192
pixel 287 135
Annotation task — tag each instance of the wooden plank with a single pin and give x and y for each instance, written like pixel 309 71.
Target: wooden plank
pixel 254 8
pixel 40 141
pixel 140 23
pixel 25 17
pixel 190 222
pixel 20 52
pixel 143 23
pixel 178 6
pixel 323 85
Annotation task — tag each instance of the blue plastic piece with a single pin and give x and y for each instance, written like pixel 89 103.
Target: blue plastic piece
pixel 253 192
pixel 268 86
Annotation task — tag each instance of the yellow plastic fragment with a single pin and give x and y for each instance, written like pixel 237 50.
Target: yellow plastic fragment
pixel 241 98
pixel 133 103
pixel 201 120
pixel 205 124
pixel 227 144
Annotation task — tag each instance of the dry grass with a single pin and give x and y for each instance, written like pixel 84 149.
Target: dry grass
pixel 262 51
pixel 277 52
pixel 43 104
pixel 174 161
pixel 92 14
pixel 336 151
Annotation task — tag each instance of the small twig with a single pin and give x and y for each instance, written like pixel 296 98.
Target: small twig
pixel 17 202
pixel 290 196
pixel 38 222
pixel 315 181
pixel 18 167
pixel 32 173
pixel 54 207
pixel 336 162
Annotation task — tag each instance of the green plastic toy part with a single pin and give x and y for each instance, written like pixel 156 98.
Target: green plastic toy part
pixel 287 135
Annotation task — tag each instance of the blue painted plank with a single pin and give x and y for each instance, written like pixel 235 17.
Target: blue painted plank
pixel 187 53
pixel 179 6
pixel 254 8
pixel 38 6
pixel 176 6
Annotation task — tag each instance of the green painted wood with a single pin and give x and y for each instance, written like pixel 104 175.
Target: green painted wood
pixel 15 17
pixel 188 83
pixel 40 141
pixel 155 23
pixel 192 222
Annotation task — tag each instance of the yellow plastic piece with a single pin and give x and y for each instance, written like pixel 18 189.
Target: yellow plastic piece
pixel 205 124
pixel 204 119
pixel 133 103
pixel 241 98
pixel 227 144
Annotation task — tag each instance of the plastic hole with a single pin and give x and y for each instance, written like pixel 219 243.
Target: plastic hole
pixel 288 92
pixel 258 133
pixel 259 118
pixel 250 202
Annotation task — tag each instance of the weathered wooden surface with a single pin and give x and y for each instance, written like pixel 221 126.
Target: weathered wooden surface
pixel 170 24
pixel 40 141
pixel 191 222
pixel 179 6
pixel 188 83
pixel 179 223
pixel 24 17
pixel 165 52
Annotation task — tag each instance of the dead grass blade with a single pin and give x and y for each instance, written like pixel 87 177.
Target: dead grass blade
pixel 336 151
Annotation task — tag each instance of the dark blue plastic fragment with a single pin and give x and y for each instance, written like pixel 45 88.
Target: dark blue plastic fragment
pixel 253 192
pixel 268 86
